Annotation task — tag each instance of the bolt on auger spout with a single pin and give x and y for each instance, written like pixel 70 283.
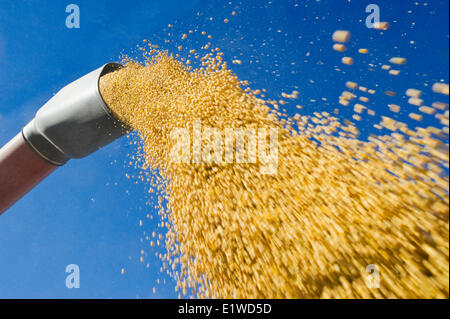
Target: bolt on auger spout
pixel 72 124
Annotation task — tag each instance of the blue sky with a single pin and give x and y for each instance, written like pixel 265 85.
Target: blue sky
pixel 87 212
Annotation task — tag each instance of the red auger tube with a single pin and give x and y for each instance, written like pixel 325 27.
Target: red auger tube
pixel 21 169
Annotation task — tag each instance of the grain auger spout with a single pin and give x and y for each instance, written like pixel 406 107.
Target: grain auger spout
pixel 72 124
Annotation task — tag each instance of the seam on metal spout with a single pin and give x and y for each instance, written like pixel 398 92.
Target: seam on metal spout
pixel 45 150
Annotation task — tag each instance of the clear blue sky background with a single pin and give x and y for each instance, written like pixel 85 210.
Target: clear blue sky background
pixel 88 212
